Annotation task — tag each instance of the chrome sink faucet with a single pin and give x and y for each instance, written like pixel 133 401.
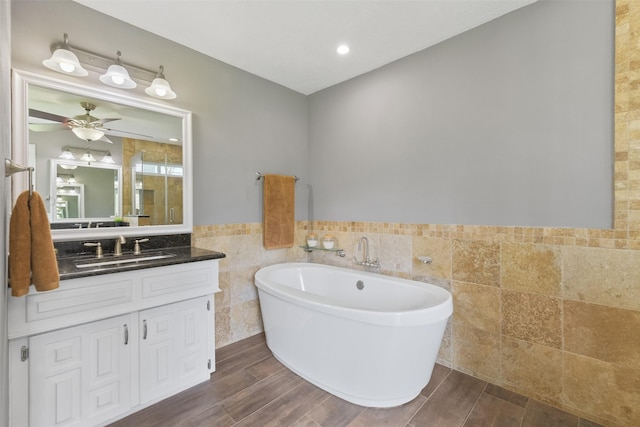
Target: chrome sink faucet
pixel 363 245
pixel 118 249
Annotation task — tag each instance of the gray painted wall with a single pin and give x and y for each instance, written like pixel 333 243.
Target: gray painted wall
pixel 241 123
pixel 508 124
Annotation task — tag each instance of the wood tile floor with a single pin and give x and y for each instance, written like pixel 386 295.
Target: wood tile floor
pixel 251 388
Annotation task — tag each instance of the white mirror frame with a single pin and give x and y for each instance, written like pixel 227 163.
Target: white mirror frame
pixel 19 147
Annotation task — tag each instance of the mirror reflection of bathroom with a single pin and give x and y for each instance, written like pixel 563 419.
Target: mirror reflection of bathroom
pixel 154 174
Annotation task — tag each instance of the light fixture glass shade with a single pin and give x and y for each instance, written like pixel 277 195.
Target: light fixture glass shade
pixel 66 62
pixel 88 157
pixel 69 167
pixel 108 158
pixel 117 76
pixel 160 89
pixel 67 154
pixel 88 134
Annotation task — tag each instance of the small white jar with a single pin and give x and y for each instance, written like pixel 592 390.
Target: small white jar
pixel 328 241
pixel 312 240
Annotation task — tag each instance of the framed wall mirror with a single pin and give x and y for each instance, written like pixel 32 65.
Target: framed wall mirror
pixel 105 164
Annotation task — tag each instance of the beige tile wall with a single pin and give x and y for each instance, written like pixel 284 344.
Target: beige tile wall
pixel 553 313
pixel 549 313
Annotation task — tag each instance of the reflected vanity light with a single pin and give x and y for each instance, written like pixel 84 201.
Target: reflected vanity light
pixel 67 154
pixel 68 59
pixel 86 155
pixel 108 159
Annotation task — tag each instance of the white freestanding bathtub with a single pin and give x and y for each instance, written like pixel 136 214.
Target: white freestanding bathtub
pixel 366 338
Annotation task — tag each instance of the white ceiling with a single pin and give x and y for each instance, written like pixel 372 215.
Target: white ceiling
pixel 293 42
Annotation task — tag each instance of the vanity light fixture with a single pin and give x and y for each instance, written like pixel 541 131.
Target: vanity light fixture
pixel 88 157
pixel 67 154
pixel 64 61
pixel 160 87
pixel 117 75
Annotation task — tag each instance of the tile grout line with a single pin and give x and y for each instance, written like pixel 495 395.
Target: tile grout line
pixel 310 410
pixel 427 398
pixel 474 404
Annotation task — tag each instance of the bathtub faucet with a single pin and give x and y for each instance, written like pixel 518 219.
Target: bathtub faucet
pixel 363 245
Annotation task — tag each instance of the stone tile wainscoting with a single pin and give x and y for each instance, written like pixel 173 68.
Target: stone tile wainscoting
pixel 550 313
pixel 553 314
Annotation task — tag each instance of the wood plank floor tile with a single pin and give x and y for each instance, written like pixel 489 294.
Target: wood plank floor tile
pixel 397 416
pixel 223 387
pixel 335 412
pixel 538 414
pixel 451 402
pixel 288 408
pixel 439 374
pixel 305 422
pixel 214 416
pixel 244 360
pixel 239 347
pixel 265 368
pixel 251 388
pixel 508 395
pixel 254 397
pixel 491 411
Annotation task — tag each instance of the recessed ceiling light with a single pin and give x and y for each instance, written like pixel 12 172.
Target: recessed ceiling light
pixel 343 49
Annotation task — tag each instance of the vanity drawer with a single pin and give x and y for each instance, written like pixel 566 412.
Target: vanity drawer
pixel 71 301
pixel 186 281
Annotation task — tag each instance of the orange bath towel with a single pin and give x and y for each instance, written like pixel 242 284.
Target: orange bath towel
pixel 32 257
pixel 278 211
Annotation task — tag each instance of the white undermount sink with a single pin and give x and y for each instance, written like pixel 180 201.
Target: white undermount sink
pixel 127 259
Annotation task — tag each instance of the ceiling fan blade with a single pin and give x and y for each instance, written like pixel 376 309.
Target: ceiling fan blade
pixel 47 127
pixel 102 121
pixel 116 131
pixel 105 139
pixel 47 116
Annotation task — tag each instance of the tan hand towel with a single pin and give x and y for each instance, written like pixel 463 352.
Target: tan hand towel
pixel 32 257
pixel 20 247
pixel 44 265
pixel 278 213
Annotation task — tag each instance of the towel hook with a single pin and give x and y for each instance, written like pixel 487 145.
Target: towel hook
pixel 11 167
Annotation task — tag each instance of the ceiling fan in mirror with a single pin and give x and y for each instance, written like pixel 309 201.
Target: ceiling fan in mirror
pixel 84 126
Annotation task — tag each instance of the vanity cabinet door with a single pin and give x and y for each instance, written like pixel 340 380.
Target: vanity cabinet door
pixel 80 376
pixel 173 348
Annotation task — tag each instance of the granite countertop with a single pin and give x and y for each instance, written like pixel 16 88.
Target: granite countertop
pixel 170 256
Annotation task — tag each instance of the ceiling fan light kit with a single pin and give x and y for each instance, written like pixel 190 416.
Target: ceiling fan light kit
pixel 67 59
pixel 88 133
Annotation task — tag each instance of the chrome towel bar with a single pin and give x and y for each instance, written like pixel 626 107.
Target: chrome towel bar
pixel 11 167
